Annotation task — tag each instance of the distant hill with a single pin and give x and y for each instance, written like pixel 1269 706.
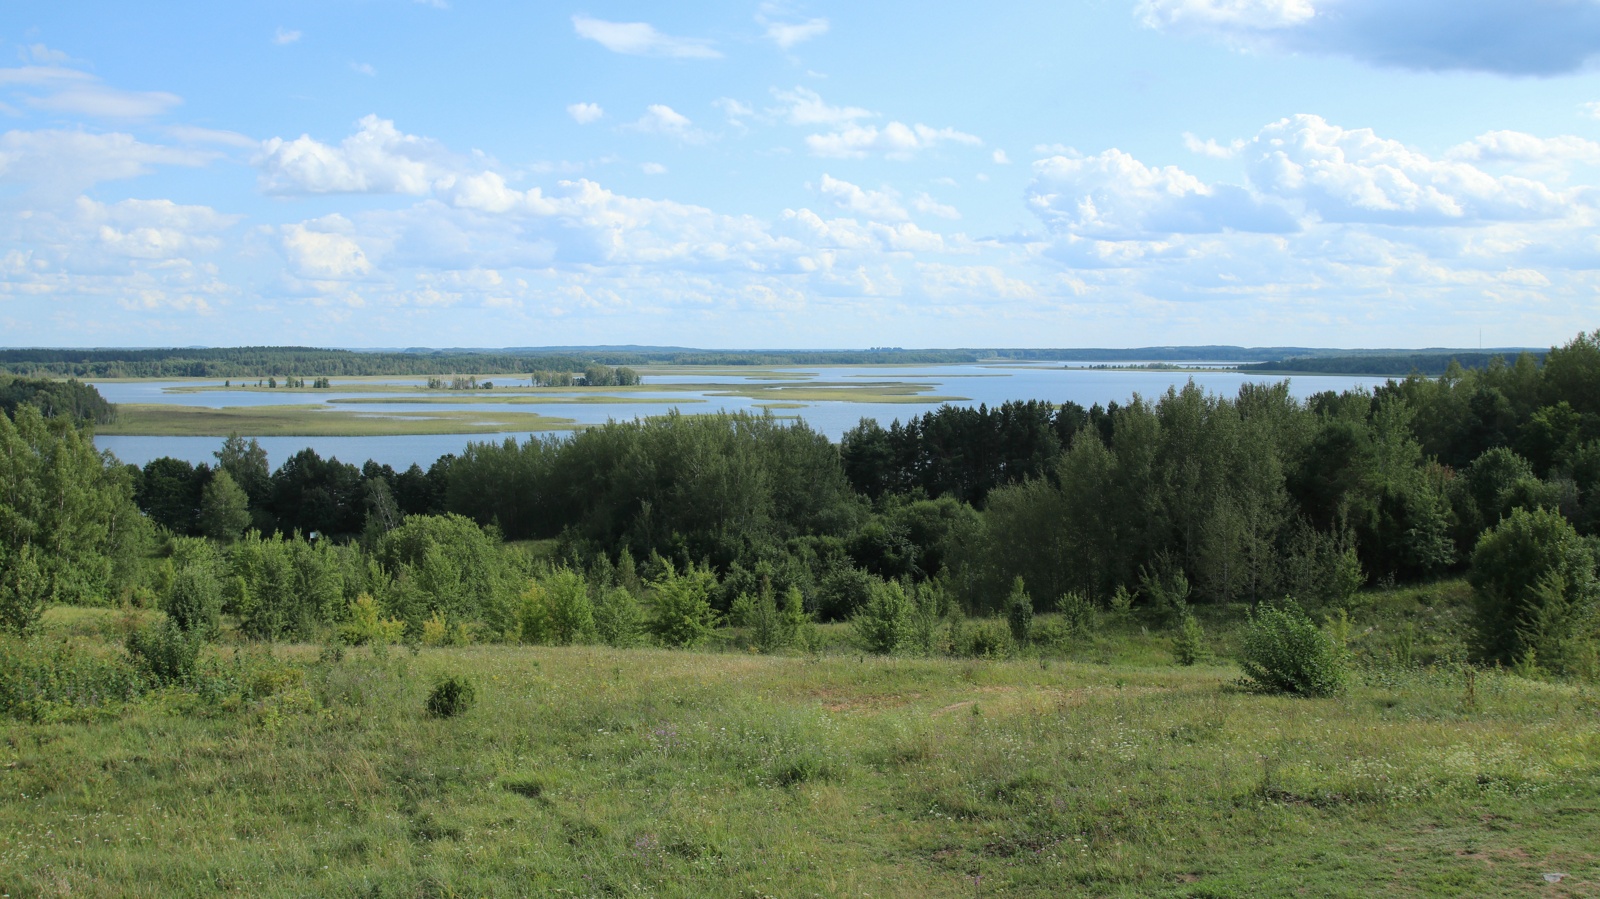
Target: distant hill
pixel 1430 363
pixel 262 362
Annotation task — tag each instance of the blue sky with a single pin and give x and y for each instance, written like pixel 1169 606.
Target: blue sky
pixel 760 174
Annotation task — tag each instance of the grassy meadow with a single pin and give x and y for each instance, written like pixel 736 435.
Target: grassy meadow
pixel 1097 768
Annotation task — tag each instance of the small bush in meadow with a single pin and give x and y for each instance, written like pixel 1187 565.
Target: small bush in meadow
pixel 884 623
pixel 682 605
pixel 366 624
pixel 1189 645
pixel 194 601
pixel 22 591
pixel 1019 612
pixel 986 640
pixel 452 696
pixel 167 652
pixel 618 621
pixel 1077 613
pixel 1283 651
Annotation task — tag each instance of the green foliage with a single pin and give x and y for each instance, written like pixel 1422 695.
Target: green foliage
pixel 929 602
pixel 22 590
pixel 556 609
pixel 883 625
pixel 772 628
pixel 1536 595
pixel 452 696
pixel 1019 612
pixel 45 680
pixel 843 592
pixel 618 620
pixel 1164 587
pixel 1077 613
pixel 62 498
pixel 364 624
pixel 987 639
pixel 1189 644
pixel 165 652
pixel 224 508
pixel 1283 651
pixel 681 605
pixel 454 568
pixel 71 399
pixel 194 601
pixel 290 589
pixel 1322 567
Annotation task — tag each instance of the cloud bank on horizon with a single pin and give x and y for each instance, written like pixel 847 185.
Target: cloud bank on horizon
pixel 1328 172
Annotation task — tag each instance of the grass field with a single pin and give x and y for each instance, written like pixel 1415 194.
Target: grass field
pixel 312 420
pixel 584 771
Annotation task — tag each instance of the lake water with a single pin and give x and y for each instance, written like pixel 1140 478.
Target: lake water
pixel 977 384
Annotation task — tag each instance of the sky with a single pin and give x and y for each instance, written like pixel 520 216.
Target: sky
pixel 465 173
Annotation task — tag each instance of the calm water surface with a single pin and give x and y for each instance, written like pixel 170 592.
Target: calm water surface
pixel 976 384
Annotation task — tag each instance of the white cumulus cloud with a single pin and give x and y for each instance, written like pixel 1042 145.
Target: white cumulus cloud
pixel 663 120
pixel 584 113
pixel 895 140
pixel 1353 175
pixel 378 158
pixel 787 34
pixel 1113 196
pixel 875 205
pixel 641 39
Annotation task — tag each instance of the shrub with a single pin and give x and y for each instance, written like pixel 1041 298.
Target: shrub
pixel 1019 612
pixel 452 696
pixel 1535 593
pixel 617 620
pixel 169 654
pixel 366 624
pixel 1283 651
pixel 194 601
pixel 884 623
pixel 556 609
pixel 987 640
pixel 1189 646
pixel 928 601
pixel 1077 613
pixel 440 631
pixel 22 591
pixel 43 681
pixel 844 591
pixel 683 614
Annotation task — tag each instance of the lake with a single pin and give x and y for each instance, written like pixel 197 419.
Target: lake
pixel 976 384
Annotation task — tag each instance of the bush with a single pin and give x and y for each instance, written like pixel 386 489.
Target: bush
pixel 617 620
pixel 683 613
pixel 987 640
pixel 452 696
pixel 1283 651
pixel 1189 646
pixel 1019 612
pixel 366 624
pixel 44 681
pixel 1077 613
pixel 22 591
pixel 1535 593
pixel 884 623
pixel 169 654
pixel 194 601
pixel 556 609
